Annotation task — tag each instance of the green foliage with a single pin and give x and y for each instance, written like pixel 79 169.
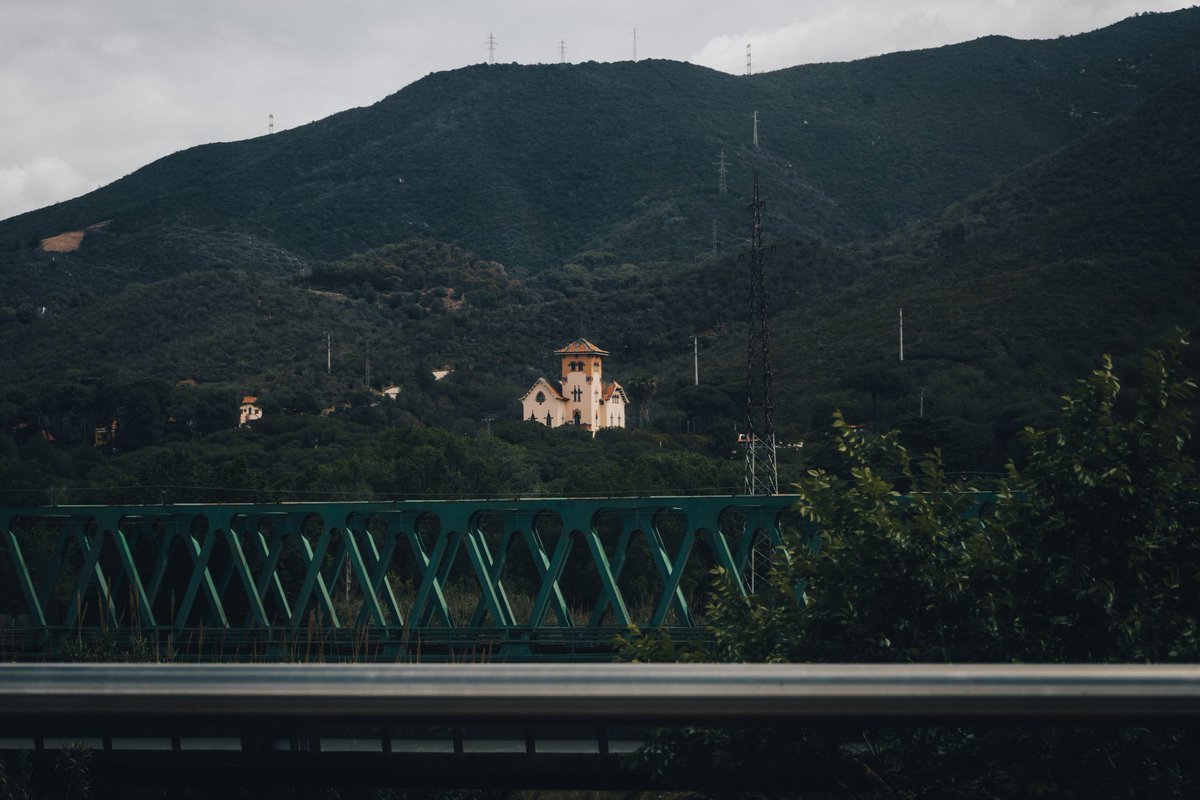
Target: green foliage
pixel 1088 553
pixel 72 766
pixel 1101 521
pixel 998 323
pixel 16 775
pixel 892 577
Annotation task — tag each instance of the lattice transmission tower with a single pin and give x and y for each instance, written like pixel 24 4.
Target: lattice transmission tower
pixel 758 436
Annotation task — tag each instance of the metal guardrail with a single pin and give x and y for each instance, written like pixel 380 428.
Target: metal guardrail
pixel 586 694
pixel 512 725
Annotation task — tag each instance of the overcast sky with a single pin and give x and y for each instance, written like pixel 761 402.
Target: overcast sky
pixel 90 90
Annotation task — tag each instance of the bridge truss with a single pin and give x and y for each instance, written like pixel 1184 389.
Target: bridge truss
pixel 404 581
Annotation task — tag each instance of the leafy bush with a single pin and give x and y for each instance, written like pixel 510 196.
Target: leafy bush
pixel 1088 554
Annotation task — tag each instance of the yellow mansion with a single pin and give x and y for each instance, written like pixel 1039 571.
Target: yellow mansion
pixel 582 397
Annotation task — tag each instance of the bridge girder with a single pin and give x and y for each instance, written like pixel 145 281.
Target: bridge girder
pixel 371 581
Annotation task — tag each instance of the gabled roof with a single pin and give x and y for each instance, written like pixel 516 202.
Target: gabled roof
pixel 611 388
pixel 580 346
pixel 552 390
pixel 248 399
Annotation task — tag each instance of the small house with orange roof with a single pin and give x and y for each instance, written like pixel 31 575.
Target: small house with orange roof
pixel 581 396
pixel 250 410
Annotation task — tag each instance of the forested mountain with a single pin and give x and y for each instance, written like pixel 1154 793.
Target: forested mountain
pixel 1009 295
pixel 531 165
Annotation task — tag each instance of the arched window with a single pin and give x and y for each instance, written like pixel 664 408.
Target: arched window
pixel 540 398
pixel 578 417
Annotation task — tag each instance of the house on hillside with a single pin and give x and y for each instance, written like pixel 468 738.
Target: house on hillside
pixel 581 396
pixel 105 435
pixel 251 411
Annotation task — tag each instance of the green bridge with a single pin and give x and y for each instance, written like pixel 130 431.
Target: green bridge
pixel 487 580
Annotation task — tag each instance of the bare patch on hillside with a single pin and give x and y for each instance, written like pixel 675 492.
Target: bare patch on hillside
pixel 332 295
pixel 63 243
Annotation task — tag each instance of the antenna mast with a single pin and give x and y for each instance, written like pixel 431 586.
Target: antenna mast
pixel 756 129
pixel 762 473
pixel 748 71
pixel 491 43
pixel 635 44
pixel 562 51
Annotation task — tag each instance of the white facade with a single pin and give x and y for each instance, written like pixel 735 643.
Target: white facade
pixel 581 397
pixel 249 411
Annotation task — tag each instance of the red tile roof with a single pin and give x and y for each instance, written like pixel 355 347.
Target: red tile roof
pixel 581 346
pixel 609 388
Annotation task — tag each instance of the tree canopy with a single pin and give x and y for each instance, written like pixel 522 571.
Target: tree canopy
pixel 1087 553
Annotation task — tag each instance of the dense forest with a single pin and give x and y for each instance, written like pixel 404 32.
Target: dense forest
pixel 1008 295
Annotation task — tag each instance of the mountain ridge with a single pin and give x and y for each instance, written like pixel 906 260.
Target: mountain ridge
pixel 531 164
pixel 1009 295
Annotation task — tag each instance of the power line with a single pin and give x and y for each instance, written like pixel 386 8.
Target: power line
pixel 491 43
pixel 562 51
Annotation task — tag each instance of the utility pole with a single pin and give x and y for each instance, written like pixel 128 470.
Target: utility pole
pixel 270 124
pixel 714 237
pixel 722 173
pixel 902 333
pixel 328 352
pixel 367 370
pixel 695 360
pixel 762 472
pixel 635 44
pixel 756 129
pixel 491 43
pixel 921 413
